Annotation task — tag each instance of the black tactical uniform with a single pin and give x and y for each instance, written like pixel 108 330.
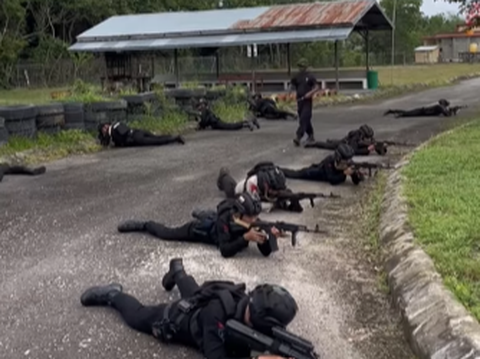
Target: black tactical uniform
pixel 360 140
pixel 206 118
pixel 326 171
pixel 123 136
pixel 440 109
pixel 198 319
pixel 267 108
pixel 209 227
pixel 304 82
pixel 6 169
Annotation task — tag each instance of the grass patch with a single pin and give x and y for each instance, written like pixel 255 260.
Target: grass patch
pixel 172 122
pixel 27 96
pixel 442 189
pixel 46 147
pixel 370 228
pixel 405 75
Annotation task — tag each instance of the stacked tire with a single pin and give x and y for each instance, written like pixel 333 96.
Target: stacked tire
pixel 141 105
pixel 213 95
pixel 74 116
pixel 50 118
pixel 20 120
pixel 101 112
pixel 185 97
pixel 3 132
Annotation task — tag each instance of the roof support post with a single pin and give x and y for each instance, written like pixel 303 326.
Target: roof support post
pixel 289 61
pixel 217 65
pixel 337 83
pixel 175 68
pixel 367 50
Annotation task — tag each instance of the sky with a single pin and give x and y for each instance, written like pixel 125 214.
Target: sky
pixel 431 7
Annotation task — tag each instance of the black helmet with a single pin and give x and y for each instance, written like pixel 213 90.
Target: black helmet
pixel 248 205
pixel 444 102
pixel 257 96
pixel 273 177
pixel 344 152
pixel 367 131
pixel 271 306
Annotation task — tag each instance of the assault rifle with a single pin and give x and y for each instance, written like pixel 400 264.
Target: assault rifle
pixel 281 343
pixel 454 109
pixel 396 143
pixel 282 227
pixel 370 166
pixel 295 197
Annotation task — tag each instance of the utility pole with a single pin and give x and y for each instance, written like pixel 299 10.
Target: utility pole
pixel 394 20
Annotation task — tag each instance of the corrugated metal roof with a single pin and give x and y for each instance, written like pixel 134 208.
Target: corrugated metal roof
pixel 426 48
pixel 171 22
pixel 215 40
pixel 222 22
pixel 316 14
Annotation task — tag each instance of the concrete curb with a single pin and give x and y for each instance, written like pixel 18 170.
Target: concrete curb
pixel 435 323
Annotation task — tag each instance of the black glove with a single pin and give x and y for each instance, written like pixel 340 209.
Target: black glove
pixel 357 177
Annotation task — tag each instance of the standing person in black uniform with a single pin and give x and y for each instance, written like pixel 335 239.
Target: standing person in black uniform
pixel 440 109
pixel 206 118
pixel 227 228
pixel 306 86
pixel 361 140
pixel 267 108
pixel 198 319
pixel 123 136
pixel 334 169
pixel 6 169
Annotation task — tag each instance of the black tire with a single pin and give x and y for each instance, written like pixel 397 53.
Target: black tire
pixel 50 116
pixel 50 109
pixel 18 112
pixel 20 120
pixel 187 93
pixel 215 94
pixel 74 116
pixel 107 106
pixel 3 132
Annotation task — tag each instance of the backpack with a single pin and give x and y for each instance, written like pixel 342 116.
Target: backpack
pixel 229 294
pixel 270 173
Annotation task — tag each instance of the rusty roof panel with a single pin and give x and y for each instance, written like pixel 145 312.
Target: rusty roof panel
pixel 299 15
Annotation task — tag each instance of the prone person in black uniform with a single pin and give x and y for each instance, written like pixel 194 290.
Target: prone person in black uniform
pixel 123 136
pixel 267 108
pixel 6 169
pixel 227 228
pixel 265 180
pixel 199 318
pixel 361 140
pixel 440 109
pixel 206 118
pixel 333 169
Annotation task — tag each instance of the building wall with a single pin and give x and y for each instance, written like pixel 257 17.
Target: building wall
pixel 451 47
pixel 426 57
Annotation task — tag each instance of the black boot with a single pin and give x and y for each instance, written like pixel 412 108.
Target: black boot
pixel 223 172
pixel 176 269
pixel 310 140
pixel 131 226
pixel 100 296
pixel 255 123
pixel 181 140
pixel 38 171
pixel 387 113
pixel 296 141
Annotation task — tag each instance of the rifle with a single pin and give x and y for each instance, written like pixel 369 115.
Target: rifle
pixel 266 231
pixel 295 197
pixel 395 143
pixel 370 166
pixel 281 343
pixel 293 228
pixel 454 109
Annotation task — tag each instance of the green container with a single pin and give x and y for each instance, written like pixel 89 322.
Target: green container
pixel 372 80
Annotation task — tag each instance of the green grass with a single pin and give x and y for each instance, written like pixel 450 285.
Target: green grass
pixel 172 122
pixel 27 96
pixel 46 147
pixel 442 187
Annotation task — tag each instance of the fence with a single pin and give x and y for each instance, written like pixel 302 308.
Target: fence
pixel 64 72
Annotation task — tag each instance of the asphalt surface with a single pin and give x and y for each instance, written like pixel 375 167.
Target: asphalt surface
pixel 58 237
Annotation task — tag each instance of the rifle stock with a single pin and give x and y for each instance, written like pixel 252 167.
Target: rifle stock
pixel 370 166
pixel 281 343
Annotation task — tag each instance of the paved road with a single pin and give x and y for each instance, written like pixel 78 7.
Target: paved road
pixel 58 236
